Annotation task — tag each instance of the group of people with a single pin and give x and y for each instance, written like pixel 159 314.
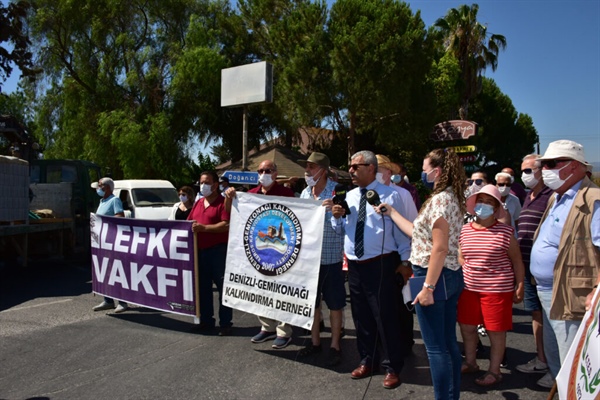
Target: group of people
pixel 488 246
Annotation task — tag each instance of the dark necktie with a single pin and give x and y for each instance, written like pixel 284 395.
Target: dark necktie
pixel 359 235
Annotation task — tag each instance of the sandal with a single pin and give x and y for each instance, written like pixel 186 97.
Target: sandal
pixel 468 368
pixel 482 381
pixel 309 350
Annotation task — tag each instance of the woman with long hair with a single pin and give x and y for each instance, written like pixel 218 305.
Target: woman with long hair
pixel 434 255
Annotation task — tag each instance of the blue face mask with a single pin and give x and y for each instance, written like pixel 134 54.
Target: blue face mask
pixel 484 211
pixel 100 192
pixel 425 180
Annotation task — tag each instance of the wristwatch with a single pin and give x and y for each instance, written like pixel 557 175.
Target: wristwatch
pixel 405 263
pixel 429 287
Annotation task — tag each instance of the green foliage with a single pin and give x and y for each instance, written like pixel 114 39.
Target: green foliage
pixel 13 31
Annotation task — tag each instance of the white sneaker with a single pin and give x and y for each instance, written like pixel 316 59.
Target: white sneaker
pixel 546 381
pixel 105 305
pixel 534 366
pixel 121 308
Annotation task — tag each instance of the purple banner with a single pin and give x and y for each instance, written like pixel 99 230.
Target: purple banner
pixel 145 262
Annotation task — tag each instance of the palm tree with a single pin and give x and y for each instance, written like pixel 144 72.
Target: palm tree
pixel 466 38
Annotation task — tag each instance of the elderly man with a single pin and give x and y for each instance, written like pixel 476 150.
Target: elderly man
pixel 267 185
pixel 374 247
pixel 510 201
pixel 529 220
pixel 385 169
pixel 223 184
pixel 565 257
pixel 211 225
pixel 331 276
pixel 110 205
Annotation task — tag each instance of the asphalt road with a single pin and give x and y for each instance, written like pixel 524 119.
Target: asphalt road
pixel 52 346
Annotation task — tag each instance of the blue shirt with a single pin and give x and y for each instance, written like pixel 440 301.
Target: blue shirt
pixel 545 249
pixel 333 243
pixel 110 206
pixel 381 234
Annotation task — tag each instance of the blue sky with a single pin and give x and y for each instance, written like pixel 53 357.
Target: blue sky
pixel 551 65
pixel 550 68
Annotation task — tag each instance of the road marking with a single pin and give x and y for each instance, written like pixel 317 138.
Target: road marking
pixel 36 305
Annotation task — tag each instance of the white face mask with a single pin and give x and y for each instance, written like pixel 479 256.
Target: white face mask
pixel 266 180
pixel 183 198
pixel 205 190
pixel 504 190
pixel 552 177
pixel 310 180
pixel 379 177
pixel 529 179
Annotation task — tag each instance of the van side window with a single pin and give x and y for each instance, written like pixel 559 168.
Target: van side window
pixel 124 197
pixel 61 173
pixel 34 174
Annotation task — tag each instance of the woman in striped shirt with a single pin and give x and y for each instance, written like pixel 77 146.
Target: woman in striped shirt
pixel 492 268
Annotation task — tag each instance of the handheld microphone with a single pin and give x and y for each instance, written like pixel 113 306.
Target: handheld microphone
pixel 339 197
pixel 373 199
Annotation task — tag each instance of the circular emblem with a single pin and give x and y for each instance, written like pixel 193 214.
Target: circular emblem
pixel 272 239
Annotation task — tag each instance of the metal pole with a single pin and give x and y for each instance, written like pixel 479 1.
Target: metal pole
pixel 245 141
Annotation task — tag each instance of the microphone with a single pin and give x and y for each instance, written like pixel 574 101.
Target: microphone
pixel 373 199
pixel 339 197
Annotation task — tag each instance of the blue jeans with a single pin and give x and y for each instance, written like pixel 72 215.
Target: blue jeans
pixel 438 328
pixel 211 268
pixel 558 335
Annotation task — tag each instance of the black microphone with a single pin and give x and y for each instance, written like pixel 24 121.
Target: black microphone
pixel 373 199
pixel 339 197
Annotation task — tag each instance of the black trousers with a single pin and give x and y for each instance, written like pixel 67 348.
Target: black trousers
pixel 374 303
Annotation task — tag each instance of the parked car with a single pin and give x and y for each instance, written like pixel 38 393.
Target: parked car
pixel 146 198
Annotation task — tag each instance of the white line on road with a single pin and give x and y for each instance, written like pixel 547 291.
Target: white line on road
pixel 36 305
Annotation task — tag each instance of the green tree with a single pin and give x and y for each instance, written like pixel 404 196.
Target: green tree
pixel 14 35
pixel 472 45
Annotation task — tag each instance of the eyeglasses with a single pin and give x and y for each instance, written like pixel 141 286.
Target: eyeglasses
pixel 528 171
pixel 355 166
pixel 266 171
pixel 550 164
pixel 503 184
pixel 478 182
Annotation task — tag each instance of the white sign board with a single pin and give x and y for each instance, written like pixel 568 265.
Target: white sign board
pixel 247 84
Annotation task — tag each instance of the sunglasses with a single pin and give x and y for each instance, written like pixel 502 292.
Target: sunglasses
pixel 528 171
pixel 265 171
pixel 503 184
pixel 356 166
pixel 478 182
pixel 551 164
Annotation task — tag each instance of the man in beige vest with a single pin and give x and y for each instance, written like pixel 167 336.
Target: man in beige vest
pixel 565 258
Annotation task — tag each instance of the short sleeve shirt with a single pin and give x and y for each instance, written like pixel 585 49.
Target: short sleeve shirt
pixel 442 205
pixel 110 206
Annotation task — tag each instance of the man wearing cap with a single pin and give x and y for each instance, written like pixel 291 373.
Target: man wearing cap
pixel 385 169
pixel 268 186
pixel 110 205
pixel 331 276
pixel 223 184
pixel 565 257
pixel 374 246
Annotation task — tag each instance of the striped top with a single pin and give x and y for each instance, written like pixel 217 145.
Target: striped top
pixel 487 267
pixel 531 215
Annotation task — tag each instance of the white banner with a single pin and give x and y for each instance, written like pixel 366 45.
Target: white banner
pixel 273 257
pixel 579 376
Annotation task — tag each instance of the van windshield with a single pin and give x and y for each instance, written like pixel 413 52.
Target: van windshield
pixel 148 197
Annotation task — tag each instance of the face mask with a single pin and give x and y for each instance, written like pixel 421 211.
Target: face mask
pixel 205 190
pixel 396 179
pixel 100 192
pixel 379 177
pixel 183 198
pixel 310 180
pixel 221 188
pixel 484 211
pixel 266 180
pixel 425 179
pixel 504 190
pixel 552 177
pixel 529 180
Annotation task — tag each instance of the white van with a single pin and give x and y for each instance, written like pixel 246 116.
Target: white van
pixel 146 198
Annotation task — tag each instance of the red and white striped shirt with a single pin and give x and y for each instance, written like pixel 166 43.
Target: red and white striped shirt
pixel 487 267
